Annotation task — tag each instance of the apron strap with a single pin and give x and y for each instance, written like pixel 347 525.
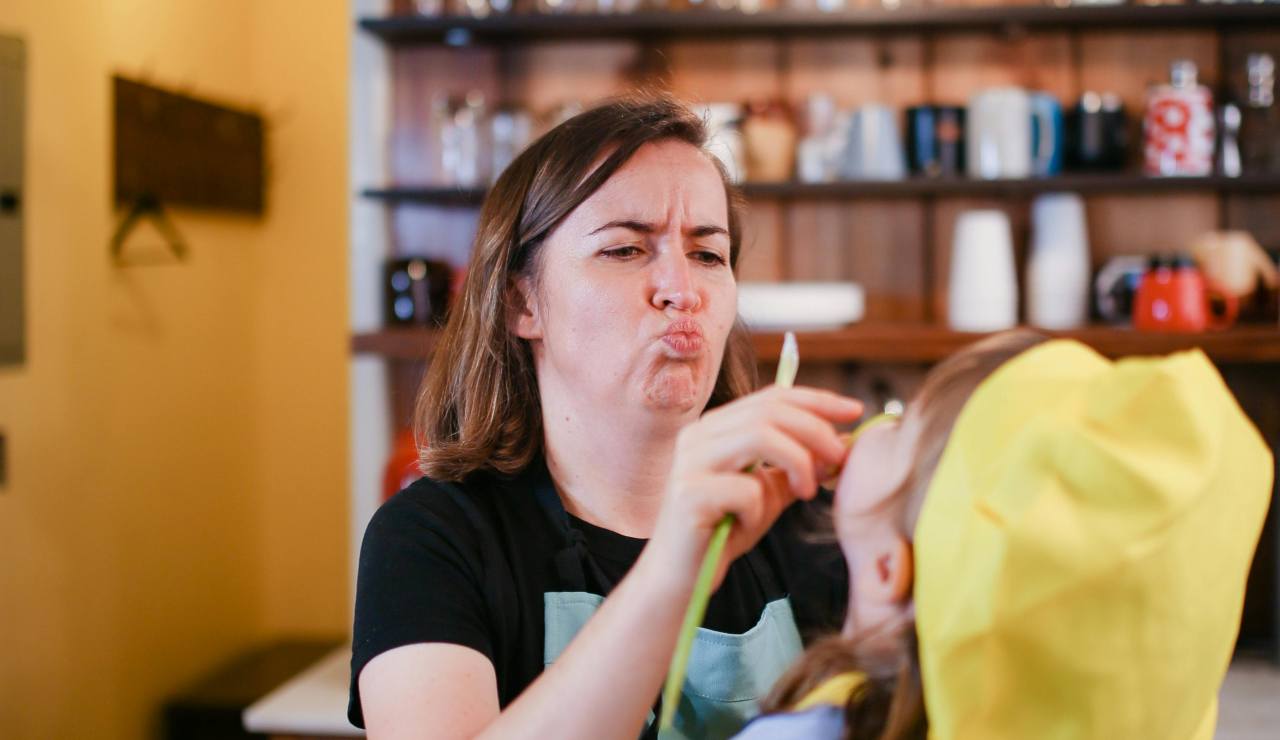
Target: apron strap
pixel 573 561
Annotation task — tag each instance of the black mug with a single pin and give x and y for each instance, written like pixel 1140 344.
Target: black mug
pixel 416 291
pixel 1115 287
pixel 935 140
pixel 1097 133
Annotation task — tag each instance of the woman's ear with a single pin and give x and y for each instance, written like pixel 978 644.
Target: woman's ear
pixel 524 321
pixel 890 572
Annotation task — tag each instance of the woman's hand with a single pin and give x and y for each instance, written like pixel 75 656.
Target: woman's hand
pixel 791 430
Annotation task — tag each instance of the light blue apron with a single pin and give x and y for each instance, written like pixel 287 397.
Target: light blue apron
pixel 728 674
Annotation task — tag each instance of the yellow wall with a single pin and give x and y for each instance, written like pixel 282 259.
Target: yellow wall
pixel 177 436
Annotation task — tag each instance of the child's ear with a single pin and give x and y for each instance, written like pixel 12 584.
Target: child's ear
pixel 524 321
pixel 890 572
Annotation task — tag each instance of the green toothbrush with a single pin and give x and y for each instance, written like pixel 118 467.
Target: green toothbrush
pixel 788 362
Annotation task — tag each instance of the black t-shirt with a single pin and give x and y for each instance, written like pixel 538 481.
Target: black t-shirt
pixel 469 563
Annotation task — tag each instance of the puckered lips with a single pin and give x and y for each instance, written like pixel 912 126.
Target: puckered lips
pixel 683 338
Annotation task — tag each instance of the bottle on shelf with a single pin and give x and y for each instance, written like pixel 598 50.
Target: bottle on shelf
pixel 1229 117
pixel 458 128
pixel 1260 121
pixel 1178 129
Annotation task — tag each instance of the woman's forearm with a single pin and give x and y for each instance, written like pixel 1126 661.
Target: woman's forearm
pixel 607 679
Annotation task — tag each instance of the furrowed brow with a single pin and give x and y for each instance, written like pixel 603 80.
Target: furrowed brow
pixel 639 227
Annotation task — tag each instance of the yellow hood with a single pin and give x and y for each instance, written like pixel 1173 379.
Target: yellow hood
pixel 1082 553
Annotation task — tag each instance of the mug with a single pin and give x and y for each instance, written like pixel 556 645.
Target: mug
pixel 1097 133
pixel 415 291
pixel 1235 261
pixel 998 139
pixel 724 138
pixel 820 154
pixel 935 140
pixel 1048 136
pixel 1116 286
pixel 982 292
pixel 1178 128
pixel 1175 297
pixel 874 149
pixel 510 130
pixel 1058 264
pixel 769 141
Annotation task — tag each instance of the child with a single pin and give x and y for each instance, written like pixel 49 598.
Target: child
pixel 1076 534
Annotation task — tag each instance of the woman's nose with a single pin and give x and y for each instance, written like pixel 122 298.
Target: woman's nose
pixel 673 283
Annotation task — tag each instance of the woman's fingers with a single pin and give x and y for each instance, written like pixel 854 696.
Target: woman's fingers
pixel 831 406
pixel 740 495
pixel 790 430
pixel 746 432
pixel 815 433
pixel 747 445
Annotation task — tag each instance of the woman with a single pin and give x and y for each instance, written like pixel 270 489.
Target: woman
pixel 568 459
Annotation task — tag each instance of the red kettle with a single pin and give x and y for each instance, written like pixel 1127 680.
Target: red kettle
pixel 1174 296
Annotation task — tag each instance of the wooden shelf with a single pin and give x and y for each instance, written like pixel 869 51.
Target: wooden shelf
pixel 912 187
pixel 461 30
pixel 917 343
pixel 925 343
pixel 407 343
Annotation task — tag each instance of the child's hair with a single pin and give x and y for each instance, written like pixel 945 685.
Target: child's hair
pixel 890 704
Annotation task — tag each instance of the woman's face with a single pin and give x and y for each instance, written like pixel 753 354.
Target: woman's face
pixel 635 298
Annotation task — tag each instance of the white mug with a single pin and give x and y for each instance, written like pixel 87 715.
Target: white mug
pixel 874 150
pixel 1058 265
pixel 982 293
pixel 724 138
pixel 998 134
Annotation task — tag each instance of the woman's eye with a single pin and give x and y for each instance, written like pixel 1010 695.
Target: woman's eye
pixel 621 252
pixel 708 257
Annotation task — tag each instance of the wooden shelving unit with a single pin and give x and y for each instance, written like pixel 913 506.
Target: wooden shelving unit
pixel 1084 183
pixel 916 343
pixel 461 30
pixel 889 236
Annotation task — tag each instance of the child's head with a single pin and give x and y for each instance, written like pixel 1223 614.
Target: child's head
pixel 878 498
pixel 889 468
pixel 1066 538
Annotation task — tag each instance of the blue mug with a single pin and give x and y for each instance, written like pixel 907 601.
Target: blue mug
pixel 1048 139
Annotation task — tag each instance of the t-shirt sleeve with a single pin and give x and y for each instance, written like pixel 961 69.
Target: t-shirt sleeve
pixel 419 580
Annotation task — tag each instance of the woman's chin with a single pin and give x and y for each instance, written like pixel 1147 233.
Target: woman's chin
pixel 675 389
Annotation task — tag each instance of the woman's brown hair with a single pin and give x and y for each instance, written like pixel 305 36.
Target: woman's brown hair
pixel 889 705
pixel 479 408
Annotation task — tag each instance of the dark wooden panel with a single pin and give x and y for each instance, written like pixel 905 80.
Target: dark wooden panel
pixel 856 70
pixel 879 244
pixel 734 70
pixel 180 150
pixel 763 257
pixel 405 378
pixel 967 63
pixel 1134 224
pixel 1258 214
